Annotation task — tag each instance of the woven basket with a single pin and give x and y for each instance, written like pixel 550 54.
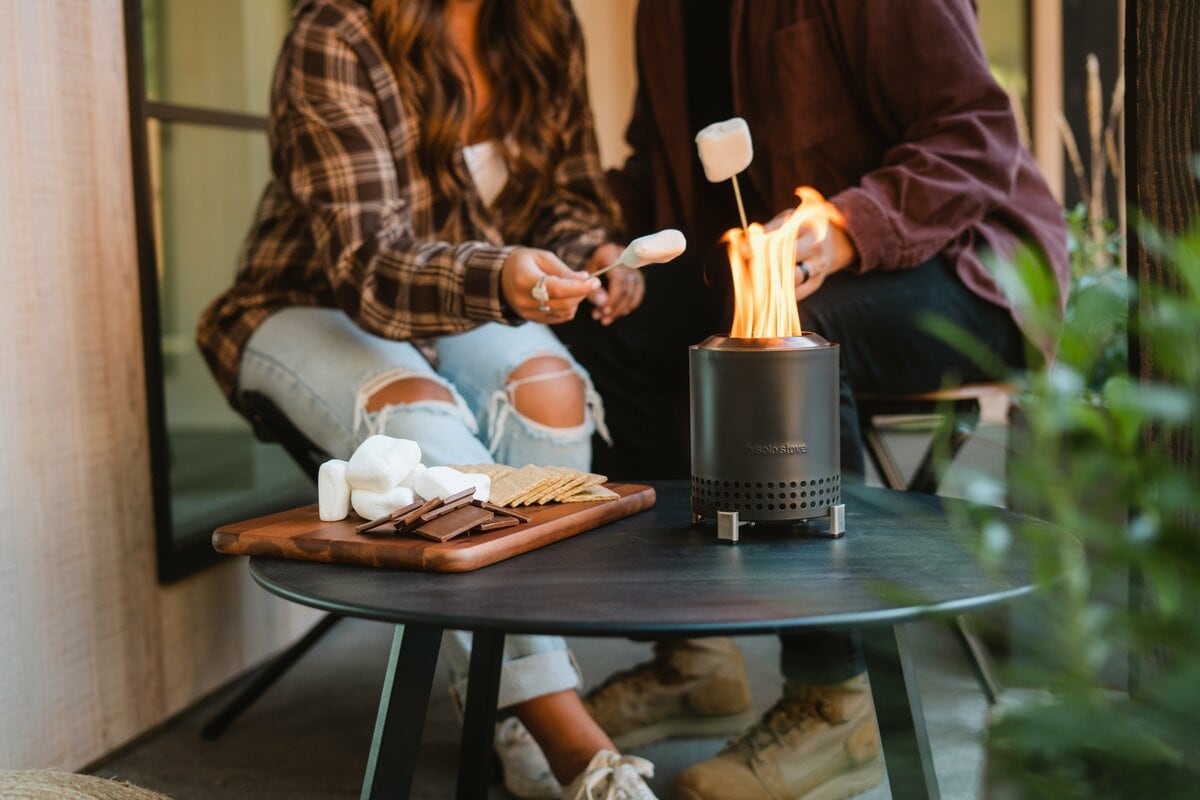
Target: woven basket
pixel 39 784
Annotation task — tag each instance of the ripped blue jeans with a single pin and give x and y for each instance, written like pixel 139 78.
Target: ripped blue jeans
pixel 320 370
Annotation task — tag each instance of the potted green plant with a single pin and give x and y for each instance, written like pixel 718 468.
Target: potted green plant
pixel 1091 459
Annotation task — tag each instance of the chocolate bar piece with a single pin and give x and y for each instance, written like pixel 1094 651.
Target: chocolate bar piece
pixel 413 517
pixel 507 512
pixel 498 523
pixel 454 523
pixel 375 523
pixel 456 500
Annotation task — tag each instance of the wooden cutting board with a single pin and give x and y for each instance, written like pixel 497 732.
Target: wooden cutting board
pixel 300 534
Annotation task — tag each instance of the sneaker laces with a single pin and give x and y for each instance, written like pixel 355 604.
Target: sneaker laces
pixel 612 776
pixel 800 710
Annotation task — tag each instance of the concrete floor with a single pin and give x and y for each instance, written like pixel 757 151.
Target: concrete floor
pixel 308 736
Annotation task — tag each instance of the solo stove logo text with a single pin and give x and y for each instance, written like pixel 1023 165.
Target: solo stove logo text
pixel 775 449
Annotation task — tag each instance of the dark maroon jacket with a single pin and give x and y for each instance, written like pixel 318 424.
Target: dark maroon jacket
pixel 887 107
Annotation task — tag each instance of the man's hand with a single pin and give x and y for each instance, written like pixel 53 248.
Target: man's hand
pixel 817 257
pixel 626 286
pixel 521 272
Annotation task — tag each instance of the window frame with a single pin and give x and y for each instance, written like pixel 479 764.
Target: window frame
pixel 176 559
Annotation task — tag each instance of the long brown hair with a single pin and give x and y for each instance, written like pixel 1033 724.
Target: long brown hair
pixel 524 50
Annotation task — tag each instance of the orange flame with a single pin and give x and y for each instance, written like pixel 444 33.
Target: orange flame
pixel 764 268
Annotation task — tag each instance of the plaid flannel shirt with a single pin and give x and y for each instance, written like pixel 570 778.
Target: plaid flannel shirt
pixel 350 221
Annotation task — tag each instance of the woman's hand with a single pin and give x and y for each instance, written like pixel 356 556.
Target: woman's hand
pixel 817 257
pixel 626 286
pixel 565 288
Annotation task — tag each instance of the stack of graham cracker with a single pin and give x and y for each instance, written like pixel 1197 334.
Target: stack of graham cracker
pixel 529 485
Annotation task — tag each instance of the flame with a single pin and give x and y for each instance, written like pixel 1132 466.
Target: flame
pixel 764 268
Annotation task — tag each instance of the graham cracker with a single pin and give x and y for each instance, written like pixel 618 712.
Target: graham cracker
pixel 513 484
pixel 590 494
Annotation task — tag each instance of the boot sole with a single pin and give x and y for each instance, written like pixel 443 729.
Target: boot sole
pixel 842 787
pixel 868 776
pixel 686 728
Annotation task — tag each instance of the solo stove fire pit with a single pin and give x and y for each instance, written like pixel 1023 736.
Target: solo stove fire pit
pixel 764 400
pixel 765 432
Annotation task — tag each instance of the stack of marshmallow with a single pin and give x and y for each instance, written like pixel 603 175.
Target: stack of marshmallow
pixel 385 474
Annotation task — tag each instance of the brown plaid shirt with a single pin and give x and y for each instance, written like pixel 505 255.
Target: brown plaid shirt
pixel 350 221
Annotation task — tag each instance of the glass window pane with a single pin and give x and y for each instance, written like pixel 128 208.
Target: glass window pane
pixel 213 53
pixel 207 183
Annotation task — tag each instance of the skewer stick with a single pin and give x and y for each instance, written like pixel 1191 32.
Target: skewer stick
pixel 737 192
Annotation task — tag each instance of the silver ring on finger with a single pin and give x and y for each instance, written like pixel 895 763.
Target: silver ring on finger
pixel 541 293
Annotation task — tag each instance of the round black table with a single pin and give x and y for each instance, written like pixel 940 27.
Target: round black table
pixel 656 575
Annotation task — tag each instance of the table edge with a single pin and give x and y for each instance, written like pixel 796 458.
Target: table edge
pixel 893 616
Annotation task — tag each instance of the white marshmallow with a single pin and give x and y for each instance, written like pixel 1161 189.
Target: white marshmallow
pixel 333 491
pixel 441 482
pixel 373 505
pixel 381 462
pixel 657 248
pixel 411 481
pixel 725 149
pixel 483 485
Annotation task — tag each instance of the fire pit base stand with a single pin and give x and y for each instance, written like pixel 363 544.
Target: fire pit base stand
pixel 729 523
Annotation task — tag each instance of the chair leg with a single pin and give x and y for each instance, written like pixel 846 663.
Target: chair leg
pixel 928 475
pixel 265 679
pixel 977 655
pixel 881 455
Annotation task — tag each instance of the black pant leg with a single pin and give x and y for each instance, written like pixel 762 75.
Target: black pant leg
pixel 877 321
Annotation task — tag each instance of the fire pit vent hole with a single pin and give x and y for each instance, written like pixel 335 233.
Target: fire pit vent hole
pixel 782 497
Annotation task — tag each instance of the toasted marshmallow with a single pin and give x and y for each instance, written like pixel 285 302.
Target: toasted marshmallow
pixel 381 462
pixel 441 482
pixel 333 491
pixel 656 248
pixel 725 149
pixel 373 505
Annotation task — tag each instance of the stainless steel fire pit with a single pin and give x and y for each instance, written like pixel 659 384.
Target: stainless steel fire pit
pixel 765 432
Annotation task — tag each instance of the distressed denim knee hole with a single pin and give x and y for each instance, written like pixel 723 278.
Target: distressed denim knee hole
pixel 375 421
pixel 502 406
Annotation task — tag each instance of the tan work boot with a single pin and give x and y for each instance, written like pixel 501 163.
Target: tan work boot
pixel 692 688
pixel 816 743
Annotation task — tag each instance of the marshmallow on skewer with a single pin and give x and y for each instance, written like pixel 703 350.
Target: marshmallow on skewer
pixel 657 248
pixel 381 462
pixel 725 149
pixel 372 505
pixel 333 491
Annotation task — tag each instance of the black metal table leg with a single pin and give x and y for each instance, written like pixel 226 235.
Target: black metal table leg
pixel 898 707
pixel 479 719
pixel 401 717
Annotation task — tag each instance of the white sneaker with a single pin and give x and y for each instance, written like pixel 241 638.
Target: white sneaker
pixel 610 776
pixel 527 774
